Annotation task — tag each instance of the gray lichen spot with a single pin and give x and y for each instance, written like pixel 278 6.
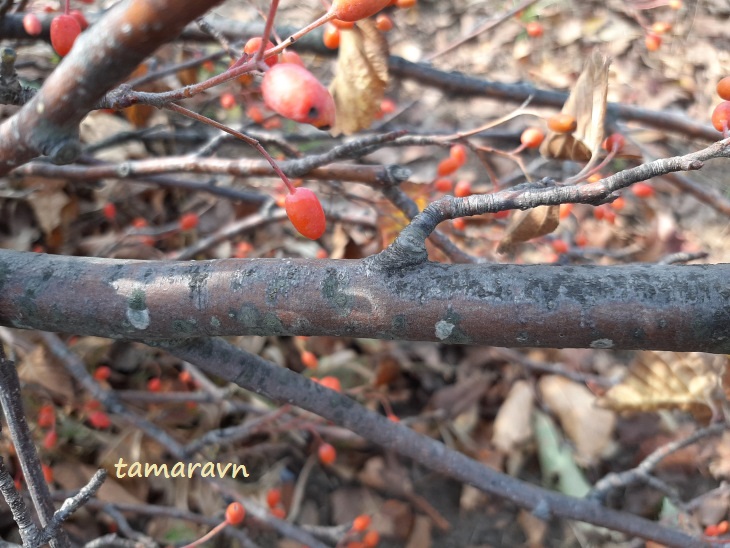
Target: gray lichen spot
pixel 602 343
pixel 140 319
pixel 184 327
pixel 215 322
pixel 249 316
pixel 334 291
pixel 137 300
pixel 444 329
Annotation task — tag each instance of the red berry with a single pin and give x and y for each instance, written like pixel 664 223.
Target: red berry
pixel 721 116
pixel 447 166
pixel 331 36
pixel 50 439
pixel 711 531
pixel 642 190
pixel 661 27
pixel 462 189
pixel 47 473
pixel 387 106
pixel 64 31
pixel 459 224
pixel 652 41
pixel 565 210
pixel 228 101
pixel 305 211
pixel 360 523
pixel 534 29
pixel 139 222
pixel 562 123
pixel 383 23
pixel 100 420
pixel 309 360
pixel 723 527
pixel 619 203
pixel 292 57
pixel 327 454
pixel 614 142
pixel 294 92
pixel 31 24
pixel 532 137
pixel 255 113
pixel 723 87
pixel 154 384
pixel 46 416
pixel 76 14
pixel 189 221
pixel 185 377
pixel 253 45
pixel 235 513
pixel 560 246
pixel 278 512
pixel 333 383
pixel 110 211
pixel 354 10
pixel 102 373
pixel 273 497
pixel 443 185
pixel 458 153
pixel 371 539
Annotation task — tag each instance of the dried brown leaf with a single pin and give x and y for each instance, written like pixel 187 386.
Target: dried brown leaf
pixel 526 225
pixel 689 381
pixel 361 77
pixel 587 103
pixel 39 367
pixel 513 425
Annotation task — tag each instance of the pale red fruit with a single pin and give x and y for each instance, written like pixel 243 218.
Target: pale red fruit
pixel 64 31
pixel 562 123
pixel 293 92
pixel 31 24
pixel 253 45
pixel 534 29
pixel 235 513
pixel 652 41
pixel 721 116
pixel 614 141
pixel 532 137
pixel 305 212
pixel 292 57
pixel 327 454
pixel 723 88
pixel 354 10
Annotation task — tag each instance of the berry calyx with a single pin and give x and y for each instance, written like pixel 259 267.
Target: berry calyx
pixel 723 88
pixel 532 137
pixel 721 117
pixel 327 454
pixel 562 123
pixel 613 143
pixel 305 212
pixel 31 24
pixel 293 92
pixel 235 513
pixel 354 10
pixel 253 45
pixel 64 31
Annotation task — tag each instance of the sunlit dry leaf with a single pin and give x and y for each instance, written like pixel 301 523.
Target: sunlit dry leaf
pixel 361 77
pixel 669 380
pixel 48 208
pixel 513 425
pixel 587 103
pixel 526 225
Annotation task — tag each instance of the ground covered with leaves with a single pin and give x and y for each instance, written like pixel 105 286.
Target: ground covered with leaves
pixel 574 420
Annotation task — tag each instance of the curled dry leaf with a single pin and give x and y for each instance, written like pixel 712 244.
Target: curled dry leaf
pixel 361 78
pixel 689 381
pixel 587 104
pixel 526 225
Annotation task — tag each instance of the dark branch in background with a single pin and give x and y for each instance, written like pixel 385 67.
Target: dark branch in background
pixel 282 385
pixel 12 406
pixel 21 515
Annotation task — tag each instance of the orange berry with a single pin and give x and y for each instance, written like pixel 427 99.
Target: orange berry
pixel 354 10
pixel 185 377
pixel 371 539
pixel 309 360
pixel 46 416
pixel 242 250
pixel 253 45
pixel 278 512
pixel 594 177
pixel 458 153
pixel 619 203
pixel 532 137
pixel 31 24
pixel 188 221
pixel 721 116
pixel 322 254
pixel 392 417
pixel 565 210
pixel 235 513
pixel 642 190
pixel 723 527
pixel 562 123
pixel 333 383
pixel 383 23
pixel 100 420
pixel 331 36
pixel 711 531
pixel 255 113
pixel 443 185
pixel 327 454
pixel 360 523
pixel 614 142
pixel 723 88
pixel 228 100
pixel 559 246
pixel 404 4
pixel 609 215
pixel 447 166
pixel 599 213
pixel 292 57
pixel 47 473
pixel 110 211
pixel 459 224
pixel 344 25
pixel 154 384
pixel 534 29
pixel 273 497
pixel 294 92
pixel 50 439
pixel 64 31
pixel 661 27
pixel 387 106
pixel 652 41
pixel 139 222
pixel 675 4
pixel 305 212
pixel 462 189
pixel 102 373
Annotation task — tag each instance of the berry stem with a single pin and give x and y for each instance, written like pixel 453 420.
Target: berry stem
pixel 238 135
pixel 67 9
pixel 268 26
pixel 209 535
